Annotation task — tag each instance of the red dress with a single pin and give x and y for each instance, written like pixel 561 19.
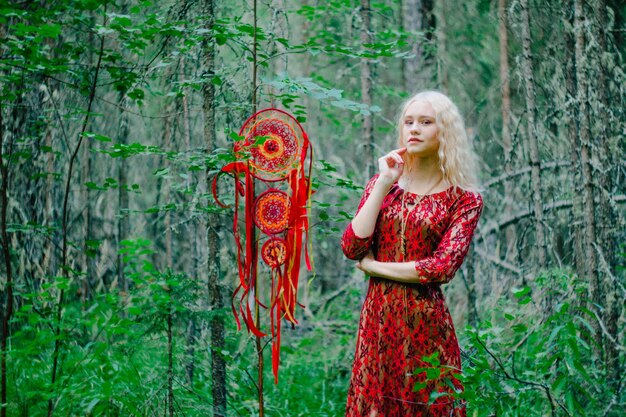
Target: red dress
pixel 402 323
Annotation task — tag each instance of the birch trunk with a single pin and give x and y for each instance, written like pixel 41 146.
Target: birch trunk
pixel 511 234
pixel 86 172
pixel 532 133
pixel 366 91
pixel 572 135
pixel 442 67
pixel 87 261
pixel 607 216
pixel 123 224
pixel 6 296
pixel 280 28
pixel 584 134
pixel 193 245
pixel 218 365
pixel 411 14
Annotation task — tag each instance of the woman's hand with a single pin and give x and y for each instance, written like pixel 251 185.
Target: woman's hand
pixel 391 165
pixel 404 272
pixel 366 263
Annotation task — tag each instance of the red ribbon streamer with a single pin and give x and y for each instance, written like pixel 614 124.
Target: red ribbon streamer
pixel 284 278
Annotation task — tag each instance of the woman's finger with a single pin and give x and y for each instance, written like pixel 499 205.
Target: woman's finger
pixel 398 158
pixel 394 157
pixel 400 151
pixel 391 161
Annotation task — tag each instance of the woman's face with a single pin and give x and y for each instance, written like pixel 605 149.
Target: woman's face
pixel 419 129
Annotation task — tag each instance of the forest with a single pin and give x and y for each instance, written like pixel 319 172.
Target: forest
pixel 118 267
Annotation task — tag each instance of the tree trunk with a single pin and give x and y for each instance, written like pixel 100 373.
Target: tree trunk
pixel 167 198
pixel 123 224
pixel 602 141
pixel 511 233
pixel 470 283
pixel 442 67
pixel 532 133
pixel 280 28
pixel 65 225
pixel 87 174
pixel 572 135
pixel 192 246
pixel 87 232
pixel 170 143
pixel 605 172
pixel 584 134
pixel 253 237
pixel 366 92
pixel 412 19
pixel 6 297
pixel 170 357
pixel 218 364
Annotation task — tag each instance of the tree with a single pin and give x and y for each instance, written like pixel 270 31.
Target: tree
pixel 532 134
pixel 218 365
pixel 367 133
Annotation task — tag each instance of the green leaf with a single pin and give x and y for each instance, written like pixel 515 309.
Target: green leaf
pixel 419 386
pixel 520 328
pixel 162 172
pixel 49 30
pixel 432 359
pixel 136 94
pixel 520 292
pixel 435 394
pixel 97 137
pixel 221 39
pixel 93 243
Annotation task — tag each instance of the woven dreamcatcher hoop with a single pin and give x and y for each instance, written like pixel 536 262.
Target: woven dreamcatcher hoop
pixel 275 141
pixel 274 252
pixel 271 211
pixel 275 150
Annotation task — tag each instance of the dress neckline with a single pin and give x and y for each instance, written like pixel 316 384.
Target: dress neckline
pixel 424 195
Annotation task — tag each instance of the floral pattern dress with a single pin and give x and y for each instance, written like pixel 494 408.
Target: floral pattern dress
pixel 403 325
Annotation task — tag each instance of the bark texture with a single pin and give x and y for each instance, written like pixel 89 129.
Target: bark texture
pixel 532 134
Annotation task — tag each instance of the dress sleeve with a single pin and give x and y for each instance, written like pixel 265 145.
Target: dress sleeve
pixel 355 247
pixel 454 245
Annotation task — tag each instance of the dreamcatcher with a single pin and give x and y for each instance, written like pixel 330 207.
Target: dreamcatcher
pixel 274 151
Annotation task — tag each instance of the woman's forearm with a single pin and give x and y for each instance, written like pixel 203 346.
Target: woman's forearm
pixel 364 222
pixel 397 271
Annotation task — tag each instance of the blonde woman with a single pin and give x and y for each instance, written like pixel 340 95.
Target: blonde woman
pixel 412 230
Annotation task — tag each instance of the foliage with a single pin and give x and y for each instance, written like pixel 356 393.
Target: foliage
pixel 138 203
pixel 537 364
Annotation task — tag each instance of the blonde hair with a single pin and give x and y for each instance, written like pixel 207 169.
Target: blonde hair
pixel 457 160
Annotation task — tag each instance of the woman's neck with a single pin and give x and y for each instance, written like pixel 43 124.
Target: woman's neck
pixel 424 174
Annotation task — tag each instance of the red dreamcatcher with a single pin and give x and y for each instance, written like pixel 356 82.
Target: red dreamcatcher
pixel 274 150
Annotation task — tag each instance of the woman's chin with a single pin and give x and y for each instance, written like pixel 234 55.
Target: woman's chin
pixel 419 151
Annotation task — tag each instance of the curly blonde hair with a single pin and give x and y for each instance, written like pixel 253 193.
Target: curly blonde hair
pixel 457 160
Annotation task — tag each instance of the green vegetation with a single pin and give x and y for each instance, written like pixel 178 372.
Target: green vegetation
pixel 106 211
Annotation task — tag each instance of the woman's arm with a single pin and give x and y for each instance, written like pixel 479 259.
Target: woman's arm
pixel 364 222
pixel 356 239
pixel 446 260
pixel 397 271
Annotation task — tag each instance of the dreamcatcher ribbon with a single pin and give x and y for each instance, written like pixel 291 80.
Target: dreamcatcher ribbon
pixel 274 150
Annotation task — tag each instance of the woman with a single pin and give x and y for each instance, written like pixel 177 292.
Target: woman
pixel 412 229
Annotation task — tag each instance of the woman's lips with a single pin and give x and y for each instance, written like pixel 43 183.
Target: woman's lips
pixel 415 140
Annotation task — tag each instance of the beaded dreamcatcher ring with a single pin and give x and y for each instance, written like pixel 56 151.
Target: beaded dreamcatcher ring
pixel 274 150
